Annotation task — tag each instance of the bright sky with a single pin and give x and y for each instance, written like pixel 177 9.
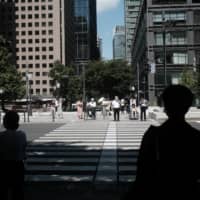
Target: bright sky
pixel 109 14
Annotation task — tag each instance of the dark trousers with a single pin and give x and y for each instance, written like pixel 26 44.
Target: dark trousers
pixel 116 114
pixel 11 180
pixel 143 113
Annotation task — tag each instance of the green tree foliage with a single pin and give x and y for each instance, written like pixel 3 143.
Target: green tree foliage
pixel 70 83
pixel 10 79
pixel 108 78
pixel 190 80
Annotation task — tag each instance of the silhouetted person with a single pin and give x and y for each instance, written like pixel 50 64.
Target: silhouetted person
pixel 168 163
pixel 12 155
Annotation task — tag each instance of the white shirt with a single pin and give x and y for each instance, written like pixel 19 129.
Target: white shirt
pixel 92 104
pixel 115 104
pixel 12 145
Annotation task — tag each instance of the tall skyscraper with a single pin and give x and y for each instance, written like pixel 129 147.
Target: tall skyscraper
pixel 85 32
pixel 99 47
pixel 119 43
pixel 132 8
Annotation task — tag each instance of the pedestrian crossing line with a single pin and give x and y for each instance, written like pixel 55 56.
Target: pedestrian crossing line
pixel 104 168
pixel 91 151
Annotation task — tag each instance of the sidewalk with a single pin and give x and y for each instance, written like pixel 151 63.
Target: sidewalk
pixel 157 113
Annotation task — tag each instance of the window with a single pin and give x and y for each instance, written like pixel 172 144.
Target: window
pixel 37 73
pixel 172 38
pixel 180 58
pixel 37 91
pixel 37 82
pixel 158 17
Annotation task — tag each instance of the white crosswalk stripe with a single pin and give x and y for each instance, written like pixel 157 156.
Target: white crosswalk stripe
pixel 90 151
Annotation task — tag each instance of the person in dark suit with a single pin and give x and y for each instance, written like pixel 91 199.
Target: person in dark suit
pixel 169 157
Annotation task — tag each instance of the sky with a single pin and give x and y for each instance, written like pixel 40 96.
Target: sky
pixel 109 14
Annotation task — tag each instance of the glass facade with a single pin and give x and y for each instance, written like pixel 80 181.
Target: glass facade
pixel 81 21
pixel 119 43
pixel 172 38
pixel 85 30
pixel 132 8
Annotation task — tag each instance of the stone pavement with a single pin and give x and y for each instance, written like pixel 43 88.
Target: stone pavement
pixel 85 159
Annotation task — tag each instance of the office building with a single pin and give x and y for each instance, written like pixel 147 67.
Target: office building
pixel 85 32
pixel 41 32
pixel 167 41
pixel 131 10
pixel 119 43
pixel 100 48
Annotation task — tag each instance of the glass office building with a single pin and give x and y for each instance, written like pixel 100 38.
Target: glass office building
pixel 131 8
pixel 85 31
pixel 119 43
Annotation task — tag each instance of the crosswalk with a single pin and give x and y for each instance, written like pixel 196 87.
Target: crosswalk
pixel 87 151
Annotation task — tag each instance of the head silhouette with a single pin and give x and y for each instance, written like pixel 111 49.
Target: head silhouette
pixel 177 100
pixel 11 120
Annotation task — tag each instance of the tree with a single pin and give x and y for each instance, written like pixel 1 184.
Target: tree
pixel 189 79
pixel 108 79
pixel 10 79
pixel 70 83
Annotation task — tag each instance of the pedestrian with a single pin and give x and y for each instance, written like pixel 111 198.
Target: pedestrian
pixel 168 165
pixel 116 108
pixel 12 155
pixel 122 105
pixel 79 106
pixel 60 109
pixel 143 108
pixel 92 108
pixel 134 112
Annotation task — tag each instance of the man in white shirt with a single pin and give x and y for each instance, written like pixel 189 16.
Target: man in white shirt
pixel 92 107
pixel 116 108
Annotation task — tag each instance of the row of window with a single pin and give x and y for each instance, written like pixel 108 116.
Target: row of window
pixel 36 8
pixel 37 74
pixel 40 91
pixel 37 57
pixel 172 38
pixel 30 41
pixel 36 24
pixel 37 32
pixel 159 17
pixel 31 49
pixel 29 1
pixel 36 16
pixel 37 65
pixel 172 58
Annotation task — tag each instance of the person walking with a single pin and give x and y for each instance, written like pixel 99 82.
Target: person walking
pixel 79 106
pixel 143 109
pixel 168 165
pixel 12 155
pixel 116 108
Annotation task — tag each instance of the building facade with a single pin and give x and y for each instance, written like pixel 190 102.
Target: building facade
pixel 41 34
pixel 131 10
pixel 85 20
pixel 119 43
pixel 166 43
